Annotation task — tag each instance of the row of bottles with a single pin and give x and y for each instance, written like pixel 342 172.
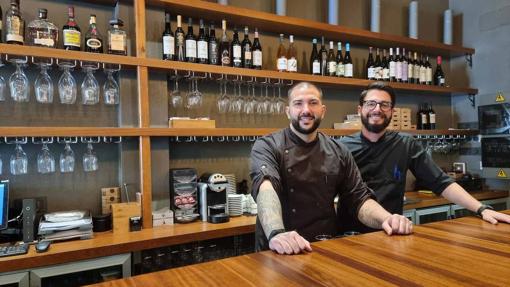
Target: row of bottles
pixel 42 32
pixel 207 49
pixel 326 63
pixel 426 117
pixel 404 69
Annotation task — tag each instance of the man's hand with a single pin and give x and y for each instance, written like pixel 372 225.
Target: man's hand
pixel 494 217
pixel 397 224
pixel 289 243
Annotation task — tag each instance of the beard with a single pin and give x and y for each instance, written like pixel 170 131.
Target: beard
pixel 313 128
pixel 375 128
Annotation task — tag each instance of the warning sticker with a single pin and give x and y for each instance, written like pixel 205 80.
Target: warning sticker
pixel 500 97
pixel 502 173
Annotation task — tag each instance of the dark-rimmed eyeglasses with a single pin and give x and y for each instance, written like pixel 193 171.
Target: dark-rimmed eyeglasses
pixel 384 106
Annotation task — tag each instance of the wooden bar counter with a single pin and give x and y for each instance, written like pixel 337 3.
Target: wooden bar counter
pixel 460 252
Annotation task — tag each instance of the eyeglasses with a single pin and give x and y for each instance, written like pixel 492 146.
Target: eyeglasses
pixel 384 106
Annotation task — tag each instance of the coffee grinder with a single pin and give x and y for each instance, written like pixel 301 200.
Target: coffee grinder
pixel 213 198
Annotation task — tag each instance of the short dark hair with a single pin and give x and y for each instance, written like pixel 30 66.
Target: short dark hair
pixel 381 86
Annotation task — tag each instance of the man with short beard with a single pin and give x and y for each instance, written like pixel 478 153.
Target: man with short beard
pixel 383 158
pixel 297 172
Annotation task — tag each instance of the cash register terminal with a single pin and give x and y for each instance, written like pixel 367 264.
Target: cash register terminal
pixel 4 220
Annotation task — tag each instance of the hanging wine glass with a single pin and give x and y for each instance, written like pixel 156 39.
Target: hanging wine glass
pixel 19 161
pixel 44 85
pixel 280 103
pixel 45 160
pixel 111 93
pixel 89 88
pixel 176 98
pixel 18 83
pixel 67 88
pixel 223 102
pixel 67 160
pixel 90 161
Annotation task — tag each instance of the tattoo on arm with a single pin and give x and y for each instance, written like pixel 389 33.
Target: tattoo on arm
pixel 269 208
pixel 372 214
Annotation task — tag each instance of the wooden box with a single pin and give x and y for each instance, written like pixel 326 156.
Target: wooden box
pixel 109 195
pixel 191 124
pixel 121 212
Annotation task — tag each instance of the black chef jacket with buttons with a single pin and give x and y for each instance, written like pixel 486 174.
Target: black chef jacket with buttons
pixel 306 178
pixel 383 166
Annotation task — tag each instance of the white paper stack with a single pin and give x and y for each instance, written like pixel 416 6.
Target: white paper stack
pixel 235 204
pixel 66 225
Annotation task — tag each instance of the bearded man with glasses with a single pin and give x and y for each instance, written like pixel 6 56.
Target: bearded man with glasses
pixel 384 157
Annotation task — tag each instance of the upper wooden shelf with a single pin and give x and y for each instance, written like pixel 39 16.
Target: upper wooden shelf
pixel 302 27
pixel 170 132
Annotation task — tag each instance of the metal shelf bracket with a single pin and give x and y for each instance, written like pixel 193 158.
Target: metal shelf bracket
pixel 469 60
pixel 471 98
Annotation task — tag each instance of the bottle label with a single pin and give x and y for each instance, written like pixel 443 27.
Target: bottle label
pixel 168 45
pixel 236 50
pixel 316 67
pixel 202 50
pixel 348 70
pixel 179 39
pixel 371 73
pixel 428 74
pixel 378 73
pixel 398 70
pixel 213 52
pixel 292 65
pixel 410 71
pixel 423 74
pixel 385 73
pixel 332 67
pixel 72 38
pixel 441 81
pixel 392 69
pixel 247 55
pixel 340 70
pixel 404 71
pixel 117 42
pixel 424 119
pixel 432 118
pixel 225 58
pixel 14 29
pixel 191 49
pixel 416 72
pixel 46 42
pixel 281 64
pixel 257 58
pixel 94 43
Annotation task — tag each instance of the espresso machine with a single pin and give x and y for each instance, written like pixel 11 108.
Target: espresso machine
pixel 212 198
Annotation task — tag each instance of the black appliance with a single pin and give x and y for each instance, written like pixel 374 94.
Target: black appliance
pixel 183 194
pixel 213 198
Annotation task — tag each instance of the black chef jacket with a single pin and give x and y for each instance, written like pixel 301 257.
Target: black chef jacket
pixel 306 177
pixel 383 166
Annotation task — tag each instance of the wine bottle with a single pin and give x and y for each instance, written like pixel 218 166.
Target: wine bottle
pixel 281 56
pixel 292 62
pixel 93 38
pixel 180 50
pixel 202 45
pixel 410 69
pixel 225 45
pixel 257 51
pixel 385 67
pixel 168 39
pixel 417 69
pixel 377 66
pixel 315 62
pixel 348 61
pixel 393 67
pixel 340 68
pixel 398 66
pixel 404 76
pixel 246 50
pixel 191 43
pixel 71 32
pixel 14 25
pixel 422 118
pixel 439 78
pixel 423 71
pixel 370 65
pixel 117 37
pixel 428 70
pixel 213 46
pixel 331 60
pixel 323 55
pixel 431 118
pixel 236 51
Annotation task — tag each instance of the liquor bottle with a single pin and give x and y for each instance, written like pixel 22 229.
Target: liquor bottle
pixel 331 60
pixel 393 66
pixel 71 32
pixel 168 39
pixel 190 43
pixel 428 70
pixel 439 78
pixel 292 63
pixel 410 69
pixel 213 46
pixel 377 66
pixel 93 39
pixel 180 49
pixel 202 45
pixel 281 57
pixel 236 51
pixel 41 32
pixel 370 65
pixel 246 50
pixel 423 71
pixel 14 25
pixel 225 45
pixel 422 118
pixel 315 61
pixel 117 38
pixel 431 117
pixel 348 61
pixel 398 66
pixel 257 51
pixel 385 67
pixel 416 69
pixel 323 55
pixel 404 76
pixel 340 68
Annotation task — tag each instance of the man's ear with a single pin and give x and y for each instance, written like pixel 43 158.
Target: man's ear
pixel 287 111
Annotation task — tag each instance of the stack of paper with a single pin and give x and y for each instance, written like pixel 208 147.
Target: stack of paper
pixel 63 226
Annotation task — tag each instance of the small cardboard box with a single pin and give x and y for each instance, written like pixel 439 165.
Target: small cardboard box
pixel 405 112
pixel 191 124
pixel 121 213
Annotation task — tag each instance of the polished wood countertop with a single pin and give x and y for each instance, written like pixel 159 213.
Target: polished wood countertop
pixel 109 243
pixel 460 252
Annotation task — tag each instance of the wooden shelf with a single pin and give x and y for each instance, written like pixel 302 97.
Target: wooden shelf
pixel 301 27
pixel 170 132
